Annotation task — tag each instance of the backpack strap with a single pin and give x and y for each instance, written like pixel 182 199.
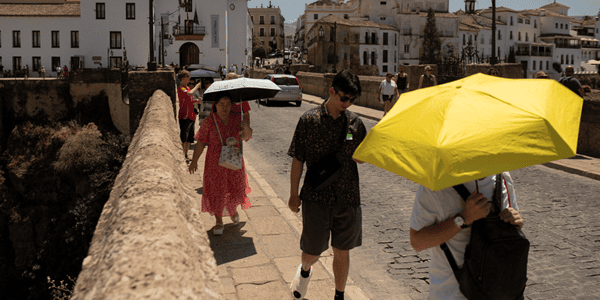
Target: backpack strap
pixel 464 193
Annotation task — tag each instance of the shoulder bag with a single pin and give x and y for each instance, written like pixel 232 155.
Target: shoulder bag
pixel 327 169
pixel 495 264
pixel 231 157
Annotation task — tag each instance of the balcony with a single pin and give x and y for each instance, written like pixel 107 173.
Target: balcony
pixel 189 32
pixel 568 46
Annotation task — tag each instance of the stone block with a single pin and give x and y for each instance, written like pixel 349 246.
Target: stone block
pixel 270 290
pixel 271 225
pixel 257 274
pixel 282 245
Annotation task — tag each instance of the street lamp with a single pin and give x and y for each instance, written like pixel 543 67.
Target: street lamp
pixel 470 6
pixel 470 9
pixel 321 31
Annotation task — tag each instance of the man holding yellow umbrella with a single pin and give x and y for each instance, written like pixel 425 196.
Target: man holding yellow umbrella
pixel 463 133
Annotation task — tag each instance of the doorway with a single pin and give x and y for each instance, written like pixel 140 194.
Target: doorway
pixel 189 54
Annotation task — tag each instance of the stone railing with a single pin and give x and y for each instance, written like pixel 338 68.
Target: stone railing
pixel 149 241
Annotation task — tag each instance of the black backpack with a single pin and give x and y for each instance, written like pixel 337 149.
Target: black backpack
pixel 495 264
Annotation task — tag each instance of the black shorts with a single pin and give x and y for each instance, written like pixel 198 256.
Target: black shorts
pixel 387 97
pixel 318 222
pixel 186 130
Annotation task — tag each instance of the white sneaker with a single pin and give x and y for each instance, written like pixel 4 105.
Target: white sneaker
pixel 300 284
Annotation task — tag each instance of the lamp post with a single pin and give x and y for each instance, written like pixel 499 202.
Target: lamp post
pixel 470 9
pixel 334 47
pixel 151 61
pixel 321 34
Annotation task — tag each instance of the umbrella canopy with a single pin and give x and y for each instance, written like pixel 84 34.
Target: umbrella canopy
pixel 243 89
pixel 475 127
pixel 203 73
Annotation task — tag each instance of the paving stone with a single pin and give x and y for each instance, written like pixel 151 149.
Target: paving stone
pixel 228 285
pixel 271 225
pixel 268 290
pixel 258 274
pixel 255 257
pixel 262 212
pixel 282 245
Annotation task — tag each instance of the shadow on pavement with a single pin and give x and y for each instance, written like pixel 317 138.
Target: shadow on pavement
pixel 232 244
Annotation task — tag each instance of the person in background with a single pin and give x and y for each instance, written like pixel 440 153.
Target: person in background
pixel 66 71
pixel 493 72
pixel 58 72
pixel 223 189
pixel 401 80
pixel 187 117
pixel 541 75
pixel 427 79
pixel 43 72
pixel 388 91
pixel 571 82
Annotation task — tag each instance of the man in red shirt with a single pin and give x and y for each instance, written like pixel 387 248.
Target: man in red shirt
pixel 187 117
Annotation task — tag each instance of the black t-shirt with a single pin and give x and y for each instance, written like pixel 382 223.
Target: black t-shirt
pixel 572 84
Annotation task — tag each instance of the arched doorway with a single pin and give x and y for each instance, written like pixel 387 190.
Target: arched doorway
pixel 189 54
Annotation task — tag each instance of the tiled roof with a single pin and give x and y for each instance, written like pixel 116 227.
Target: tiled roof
pixel 552 5
pixel 324 2
pixel 354 23
pixel 498 9
pixel 67 9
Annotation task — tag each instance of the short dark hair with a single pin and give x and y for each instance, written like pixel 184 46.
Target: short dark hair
pixel 493 70
pixel 218 97
pixel 347 82
pixel 207 81
pixel 388 75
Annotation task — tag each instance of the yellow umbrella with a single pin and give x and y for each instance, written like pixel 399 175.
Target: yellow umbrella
pixel 474 127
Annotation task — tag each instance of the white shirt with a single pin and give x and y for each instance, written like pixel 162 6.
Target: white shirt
pixel 387 88
pixel 434 207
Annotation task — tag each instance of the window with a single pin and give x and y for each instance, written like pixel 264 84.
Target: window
pixel 16 63
pixel 130 11
pixel 272 19
pixel 365 58
pixel 115 40
pixel 383 2
pixel 499 35
pixel 35 39
pixel 346 16
pixel 385 56
pixel 566 26
pixel 527 21
pixel 572 59
pixel 262 20
pixel 74 39
pixel 373 59
pixel 0 42
pixel 519 36
pixel 395 39
pixel 547 65
pixel 534 37
pixel 406 48
pixel 252 18
pixel 499 18
pixel 385 38
pixel 100 11
pixel 16 39
pixel 385 69
pixel 55 39
pixel 527 36
pixel 115 61
pixel 382 18
pixel 511 36
pixel 55 63
pixel 520 21
pixel 316 16
pixel 37 63
pixel 556 25
pixel 261 32
pixel 464 39
pixel 534 65
pixel 511 21
pixel 561 26
pixel 534 23
pixel 562 59
pixel 272 31
pixel 374 38
pixel 482 40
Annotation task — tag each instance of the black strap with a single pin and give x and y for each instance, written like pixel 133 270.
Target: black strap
pixel 462 190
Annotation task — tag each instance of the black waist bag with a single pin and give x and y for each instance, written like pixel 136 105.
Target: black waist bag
pixel 495 265
pixel 327 169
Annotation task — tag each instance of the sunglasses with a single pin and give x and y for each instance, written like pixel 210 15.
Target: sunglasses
pixel 345 98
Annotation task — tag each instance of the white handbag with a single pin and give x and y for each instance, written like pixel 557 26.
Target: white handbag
pixel 231 157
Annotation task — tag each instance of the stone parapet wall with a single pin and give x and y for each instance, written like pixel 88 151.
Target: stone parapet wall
pixel 589 129
pixel 149 242
pixel 142 85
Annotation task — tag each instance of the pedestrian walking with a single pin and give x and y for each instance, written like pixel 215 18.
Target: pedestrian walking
pixel 187 117
pixel 388 91
pixel 223 188
pixel 238 107
pixel 43 72
pixel 444 217
pixel 26 71
pixel 571 82
pixel 402 82
pixel 328 134
pixel 427 79
pixel 58 72
pixel 66 72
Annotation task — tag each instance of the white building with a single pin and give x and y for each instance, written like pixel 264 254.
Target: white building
pixel 90 34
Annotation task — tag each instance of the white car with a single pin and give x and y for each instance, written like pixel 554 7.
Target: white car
pixel 291 91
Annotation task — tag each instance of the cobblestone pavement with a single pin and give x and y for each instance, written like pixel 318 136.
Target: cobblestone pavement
pixel 560 210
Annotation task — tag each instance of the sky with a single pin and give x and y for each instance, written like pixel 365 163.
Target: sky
pixel 292 9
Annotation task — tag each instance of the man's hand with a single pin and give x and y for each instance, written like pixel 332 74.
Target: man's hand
pixel 193 167
pixel 294 203
pixel 477 207
pixel 513 216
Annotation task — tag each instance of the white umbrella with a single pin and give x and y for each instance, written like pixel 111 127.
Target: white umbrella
pixel 242 89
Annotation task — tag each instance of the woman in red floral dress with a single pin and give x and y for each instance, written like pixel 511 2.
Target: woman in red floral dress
pixel 223 189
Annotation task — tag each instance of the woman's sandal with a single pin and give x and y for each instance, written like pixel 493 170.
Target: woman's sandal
pixel 235 218
pixel 218 230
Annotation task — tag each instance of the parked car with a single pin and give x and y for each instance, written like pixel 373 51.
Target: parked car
pixel 291 91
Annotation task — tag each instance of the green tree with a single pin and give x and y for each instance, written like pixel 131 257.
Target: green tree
pixel 431 50
pixel 259 49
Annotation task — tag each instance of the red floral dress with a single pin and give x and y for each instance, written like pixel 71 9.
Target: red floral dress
pixel 223 189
